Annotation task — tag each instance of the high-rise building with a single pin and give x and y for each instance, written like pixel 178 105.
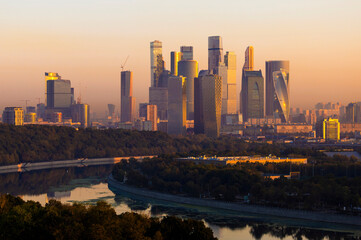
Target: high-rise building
pixel 143 110
pixel 111 110
pixel 189 70
pixel 40 110
pixel 353 113
pixel 50 76
pixel 80 113
pixel 215 53
pixel 281 103
pixel 252 95
pixel 175 57
pixel 30 117
pixel 156 62
pixel 159 96
pixel 187 52
pixel 152 116
pixel 13 115
pixel 59 94
pixel 229 87
pixel 249 59
pixel 273 66
pixel 177 105
pixel 207 104
pixel 331 129
pixel 127 109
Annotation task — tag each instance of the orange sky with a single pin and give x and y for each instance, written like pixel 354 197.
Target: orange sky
pixel 87 41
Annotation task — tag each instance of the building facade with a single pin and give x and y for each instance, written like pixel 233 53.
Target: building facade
pixel 229 87
pixel 177 105
pixel 331 129
pixel 281 104
pixel 156 62
pixel 127 104
pixel 80 113
pixel 189 70
pixel 13 115
pixel 175 57
pixel 152 116
pixel 187 52
pixel 208 105
pixel 215 53
pixel 252 95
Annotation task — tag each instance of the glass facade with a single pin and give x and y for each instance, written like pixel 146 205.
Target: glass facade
pixel 59 94
pixel 187 52
pixel 189 70
pixel 156 62
pixel 281 95
pixel 215 53
pixel 252 95
pixel 177 105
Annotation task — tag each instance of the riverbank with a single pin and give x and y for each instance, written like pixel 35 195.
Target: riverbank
pixel 272 211
pixel 29 166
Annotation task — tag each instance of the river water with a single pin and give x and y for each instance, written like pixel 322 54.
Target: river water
pixel 88 185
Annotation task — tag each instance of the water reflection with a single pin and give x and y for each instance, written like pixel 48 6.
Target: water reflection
pixel 88 185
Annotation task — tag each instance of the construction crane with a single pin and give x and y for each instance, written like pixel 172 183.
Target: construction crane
pixel 123 65
pixel 38 99
pixel 26 102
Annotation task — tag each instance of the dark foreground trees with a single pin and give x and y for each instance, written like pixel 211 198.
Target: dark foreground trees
pixel 29 220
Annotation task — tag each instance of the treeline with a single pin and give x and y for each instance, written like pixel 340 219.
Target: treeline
pixel 30 220
pixel 243 182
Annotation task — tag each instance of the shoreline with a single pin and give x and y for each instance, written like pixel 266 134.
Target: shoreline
pixel 245 208
pixel 31 166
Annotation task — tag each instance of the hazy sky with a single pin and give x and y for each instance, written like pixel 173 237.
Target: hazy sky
pixel 86 41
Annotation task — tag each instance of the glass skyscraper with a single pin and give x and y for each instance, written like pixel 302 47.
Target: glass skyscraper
pixel 189 70
pixel 127 105
pixel 215 53
pixel 187 52
pixel 252 95
pixel 281 103
pixel 156 62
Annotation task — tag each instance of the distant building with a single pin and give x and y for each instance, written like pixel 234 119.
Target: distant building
pixel 111 110
pixel 152 116
pixel 13 115
pixel 215 53
pixel 175 57
pixel 60 96
pixel 80 113
pixel 353 113
pixel 331 129
pixel 189 70
pixel 159 96
pixel 187 52
pixel 30 109
pixel 30 117
pixel 127 109
pixel 40 110
pixel 292 129
pixel 177 105
pixel 247 66
pixel 156 62
pixel 281 104
pixel 207 105
pixel 252 95
pixel 229 87
pixel 50 76
pixel 143 110
pixel 271 67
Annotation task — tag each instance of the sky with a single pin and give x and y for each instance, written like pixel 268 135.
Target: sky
pixel 86 41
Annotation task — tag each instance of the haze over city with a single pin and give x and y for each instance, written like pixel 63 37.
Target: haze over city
pixel 87 41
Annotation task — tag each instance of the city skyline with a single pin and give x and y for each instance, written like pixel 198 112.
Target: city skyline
pixel 323 50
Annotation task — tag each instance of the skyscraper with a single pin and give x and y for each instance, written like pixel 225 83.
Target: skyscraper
pixel 175 57
pixel 207 104
pixel 215 53
pixel 177 105
pixel 331 129
pixel 127 104
pixel 159 96
pixel 80 113
pixel 249 59
pixel 189 70
pixel 353 113
pixel 273 66
pixel 252 95
pixel 281 105
pixel 187 52
pixel 59 94
pixel 156 62
pixel 229 88
pixel 50 76
pixel 152 116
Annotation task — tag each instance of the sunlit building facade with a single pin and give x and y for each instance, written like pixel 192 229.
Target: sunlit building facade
pixel 80 113
pixel 175 57
pixel 207 105
pixel 156 62
pixel 177 105
pixel 189 70
pixel 249 59
pixel 252 95
pixel 331 129
pixel 187 52
pixel 59 94
pixel 229 83
pixel 215 53
pixel 281 102
pixel 152 116
pixel 13 115
pixel 271 67
pixel 127 104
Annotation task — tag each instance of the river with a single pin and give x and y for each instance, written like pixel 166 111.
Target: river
pixel 87 184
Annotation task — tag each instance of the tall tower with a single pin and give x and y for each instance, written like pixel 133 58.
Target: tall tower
pixel 229 88
pixel 281 104
pixel 252 95
pixel 177 105
pixel 127 104
pixel 189 70
pixel 249 59
pixel 207 105
pixel 215 53
pixel 175 57
pixel 156 62
pixel 187 52
pixel 271 67
pixel 50 76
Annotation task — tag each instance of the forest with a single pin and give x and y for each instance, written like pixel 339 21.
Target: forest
pixel 322 186
pixel 30 220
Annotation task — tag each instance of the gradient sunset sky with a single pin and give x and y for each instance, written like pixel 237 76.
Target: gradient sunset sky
pixel 87 41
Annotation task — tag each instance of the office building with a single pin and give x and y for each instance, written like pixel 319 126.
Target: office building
pixel 271 67
pixel 152 116
pixel 175 57
pixel 59 94
pixel 127 105
pixel 252 95
pixel 249 59
pixel 111 110
pixel 40 110
pixel 50 76
pixel 331 129
pixel 13 115
pixel 159 96
pixel 156 62
pixel 30 117
pixel 353 113
pixel 80 113
pixel 163 78
pixel 189 70
pixel 207 104
pixel 30 109
pixel 227 71
pixel 187 52
pixel 177 105
pixel 215 53
pixel 281 102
